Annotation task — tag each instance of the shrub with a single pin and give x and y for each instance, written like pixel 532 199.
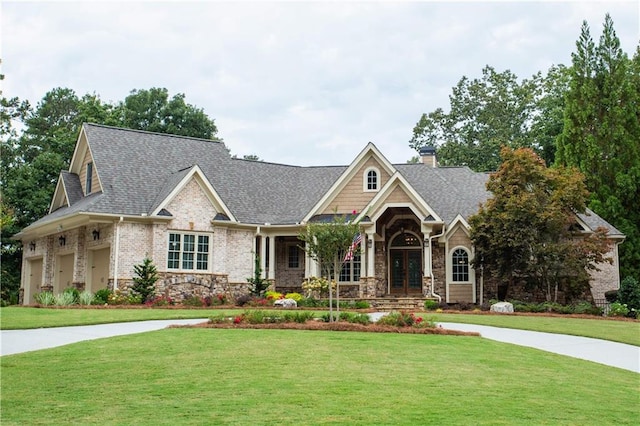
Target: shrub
pixel 261 317
pixel 362 304
pixel 194 301
pixel 618 309
pixel 85 298
pixel 629 293
pixel 119 297
pixel 309 302
pixel 220 299
pixel 297 316
pixel 74 292
pixel 317 287
pixel 586 308
pixel 403 319
pixel 45 298
pixel 430 305
pixel 295 296
pixel 102 296
pixel 243 300
pixel 356 318
pixel 258 284
pixel 66 298
pixel 145 279
pixel 160 301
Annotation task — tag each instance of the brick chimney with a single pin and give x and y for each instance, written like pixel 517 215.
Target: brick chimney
pixel 428 156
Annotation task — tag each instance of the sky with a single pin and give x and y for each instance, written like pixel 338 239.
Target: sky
pixel 294 82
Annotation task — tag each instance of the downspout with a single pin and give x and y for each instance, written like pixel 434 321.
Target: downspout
pixel 433 280
pixel 117 254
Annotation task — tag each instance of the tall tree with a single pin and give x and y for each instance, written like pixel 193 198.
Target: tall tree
pixel 526 229
pixel 152 110
pixel 601 134
pixel 484 115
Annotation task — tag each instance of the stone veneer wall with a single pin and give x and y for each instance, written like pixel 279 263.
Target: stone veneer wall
pixel 181 286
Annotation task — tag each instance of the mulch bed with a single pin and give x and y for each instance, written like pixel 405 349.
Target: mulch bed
pixel 334 326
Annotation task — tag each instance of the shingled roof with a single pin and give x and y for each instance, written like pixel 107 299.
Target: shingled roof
pixel 138 170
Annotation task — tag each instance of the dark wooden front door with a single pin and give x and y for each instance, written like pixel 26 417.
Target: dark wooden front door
pixel 406 271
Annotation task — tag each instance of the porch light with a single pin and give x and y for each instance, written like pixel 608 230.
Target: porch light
pixel 32 245
pixel 62 240
pixel 369 243
pixel 96 235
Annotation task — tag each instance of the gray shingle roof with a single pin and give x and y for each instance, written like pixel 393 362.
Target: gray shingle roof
pixel 72 187
pixel 138 170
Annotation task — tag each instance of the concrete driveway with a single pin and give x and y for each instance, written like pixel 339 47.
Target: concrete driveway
pixel 613 354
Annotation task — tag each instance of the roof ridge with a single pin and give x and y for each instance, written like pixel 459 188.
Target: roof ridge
pixel 125 129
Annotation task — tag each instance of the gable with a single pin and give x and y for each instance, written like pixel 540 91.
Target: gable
pixel 353 196
pixel 191 207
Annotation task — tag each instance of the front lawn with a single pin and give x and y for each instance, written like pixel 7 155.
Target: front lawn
pixel 258 377
pixel 14 317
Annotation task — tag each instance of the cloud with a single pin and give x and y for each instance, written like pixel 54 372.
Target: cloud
pixel 307 83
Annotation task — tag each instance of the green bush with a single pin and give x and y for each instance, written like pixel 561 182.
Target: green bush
pixel 310 302
pixel 66 298
pixel 102 296
pixel 193 301
pixel 403 319
pixel 629 293
pixel 297 316
pixel 295 296
pixel 618 309
pixel 362 304
pixel 85 298
pixel 74 292
pixel 430 305
pixel 46 298
pixel 144 280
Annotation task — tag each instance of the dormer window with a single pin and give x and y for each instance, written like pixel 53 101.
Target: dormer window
pixel 371 180
pixel 88 181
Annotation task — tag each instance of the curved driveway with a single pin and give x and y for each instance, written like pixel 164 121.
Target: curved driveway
pixel 613 354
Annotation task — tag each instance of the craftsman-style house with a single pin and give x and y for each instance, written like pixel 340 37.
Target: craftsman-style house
pixel 202 216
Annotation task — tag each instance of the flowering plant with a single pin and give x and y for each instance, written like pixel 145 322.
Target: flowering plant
pixel 317 286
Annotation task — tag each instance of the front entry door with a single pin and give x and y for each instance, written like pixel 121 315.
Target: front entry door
pixel 406 272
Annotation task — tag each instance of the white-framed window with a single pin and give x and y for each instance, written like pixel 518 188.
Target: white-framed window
pixel 293 256
pixel 350 271
pixel 188 252
pixel 371 180
pixel 460 265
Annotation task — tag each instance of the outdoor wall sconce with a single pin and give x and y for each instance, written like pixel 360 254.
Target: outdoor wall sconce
pixel 96 234
pixel 369 243
pixel 32 245
pixel 62 240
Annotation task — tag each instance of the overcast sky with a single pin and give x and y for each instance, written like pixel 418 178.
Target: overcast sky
pixel 304 83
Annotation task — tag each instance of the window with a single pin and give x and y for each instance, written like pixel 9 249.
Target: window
pixel 350 269
pixel 188 252
pixel 88 181
pixel 460 265
pixel 371 180
pixel 294 257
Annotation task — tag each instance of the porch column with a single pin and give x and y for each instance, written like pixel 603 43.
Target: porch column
pixel 272 258
pixel 371 251
pixel 263 255
pixel 427 262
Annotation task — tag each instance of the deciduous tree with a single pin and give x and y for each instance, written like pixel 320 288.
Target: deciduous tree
pixel 528 228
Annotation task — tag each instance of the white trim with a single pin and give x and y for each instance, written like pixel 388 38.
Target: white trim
pixel 370 151
pixel 197 174
pixel 419 206
pixel 196 234
pixel 56 200
pixel 365 179
pixel 449 271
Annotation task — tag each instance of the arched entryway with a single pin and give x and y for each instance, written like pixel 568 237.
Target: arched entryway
pixel 405 265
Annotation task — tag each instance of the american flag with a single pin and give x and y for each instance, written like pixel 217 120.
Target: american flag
pixel 357 239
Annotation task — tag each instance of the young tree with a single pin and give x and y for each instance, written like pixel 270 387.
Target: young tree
pixel 325 242
pixel 258 284
pixel 145 279
pixel 527 229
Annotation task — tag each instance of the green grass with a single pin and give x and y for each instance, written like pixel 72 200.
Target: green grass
pixel 258 377
pixel 598 328
pixel 13 317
